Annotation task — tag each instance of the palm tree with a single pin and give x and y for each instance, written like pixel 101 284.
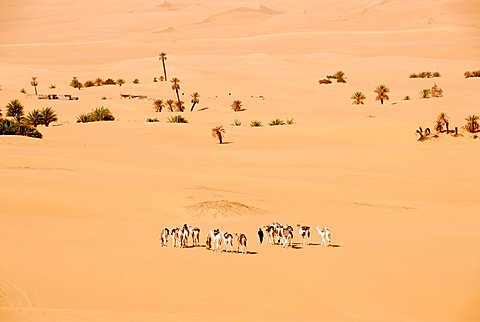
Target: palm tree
pixel 15 109
pixel 179 106
pixel 442 118
pixel 120 82
pixel 382 91
pixel 48 116
pixel 34 118
pixel 425 93
pixel 358 98
pixel 98 81
pixel 472 125
pixel 340 77
pixel 176 86
pixel 217 133
pixel 75 83
pixel 163 58
pixel 170 104
pixel 158 105
pixel 237 106
pixel 194 100
pixel 34 83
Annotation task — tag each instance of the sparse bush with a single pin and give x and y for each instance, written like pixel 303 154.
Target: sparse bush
pixel 89 83
pixel 324 81
pixel 136 81
pixel 290 121
pixel 104 98
pixel 425 74
pixel 237 106
pixel 436 91
pixel 155 80
pixel 75 83
pixel 176 119
pixel 109 81
pixel 98 114
pixel 23 91
pixel 413 75
pixel 98 81
pixel 52 86
pixel 437 74
pixel 120 82
pixel 152 119
pixel 475 73
pixel 10 127
pixel 256 123
pixel 237 122
pixel 406 98
pixel 472 124
pixel 425 93
pixel 276 122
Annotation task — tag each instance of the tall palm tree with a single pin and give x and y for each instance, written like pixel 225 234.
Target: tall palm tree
pixel 382 91
pixel 48 116
pixel 163 58
pixel 358 98
pixel 194 100
pixel 158 105
pixel 217 133
pixel 443 119
pixel 170 104
pixel 34 83
pixel 472 125
pixel 34 118
pixel 176 86
pixel 15 109
pixel 237 106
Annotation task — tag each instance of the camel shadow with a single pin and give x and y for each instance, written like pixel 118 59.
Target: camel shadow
pixel 296 246
pixel 313 244
pixel 334 245
pixel 203 109
pixel 227 142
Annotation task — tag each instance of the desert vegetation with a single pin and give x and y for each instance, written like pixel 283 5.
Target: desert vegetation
pixel 442 126
pixel 256 123
pixel 382 93
pixel 426 74
pixel 217 132
pixel 176 119
pixel 435 91
pixel 163 58
pixel 358 98
pixel 52 86
pixel 237 122
pixel 96 115
pixel 170 104
pixel 195 100
pixel 16 123
pixel 44 116
pixel 237 106
pixel 475 73
pixel 151 120
pixel 339 76
pixel 75 83
pixel 176 87
pixel 158 105
pixel 136 81
pixel 34 83
pixel 276 122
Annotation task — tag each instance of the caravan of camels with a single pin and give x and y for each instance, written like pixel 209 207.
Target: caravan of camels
pixel 219 241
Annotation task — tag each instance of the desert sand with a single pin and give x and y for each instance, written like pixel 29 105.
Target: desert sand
pixel 81 210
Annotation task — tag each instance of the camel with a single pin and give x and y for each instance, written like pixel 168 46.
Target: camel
pixel 325 234
pixel 287 236
pixel 174 235
pixel 208 242
pixel 228 242
pixel 216 238
pixel 185 232
pixel 241 242
pixel 164 236
pixel 304 232
pixel 195 232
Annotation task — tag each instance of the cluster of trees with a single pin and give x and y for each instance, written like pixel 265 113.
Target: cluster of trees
pixel 17 123
pixel 435 91
pixel 381 91
pixel 339 76
pixel 425 75
pixel 175 106
pixel 442 125
pixel 96 115
pixel 475 73
pixel 75 83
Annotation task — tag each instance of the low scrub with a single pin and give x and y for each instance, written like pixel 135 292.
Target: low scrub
pixel 96 115
pixel 256 123
pixel 237 122
pixel 152 119
pixel 176 119
pixel 276 122
pixel 426 74
pixel 475 73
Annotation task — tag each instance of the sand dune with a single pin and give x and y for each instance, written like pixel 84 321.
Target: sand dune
pixel 81 210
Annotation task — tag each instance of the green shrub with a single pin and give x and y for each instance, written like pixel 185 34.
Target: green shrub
pixel 136 81
pixel 109 81
pixel 176 119
pixel 290 121
pixel 53 86
pixel 23 91
pixel 88 83
pixel 98 114
pixel 256 123
pixel 237 122
pixel 84 118
pixel 152 119
pixel 10 127
pixel 276 122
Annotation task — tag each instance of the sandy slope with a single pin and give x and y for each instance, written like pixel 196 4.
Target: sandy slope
pixel 81 210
